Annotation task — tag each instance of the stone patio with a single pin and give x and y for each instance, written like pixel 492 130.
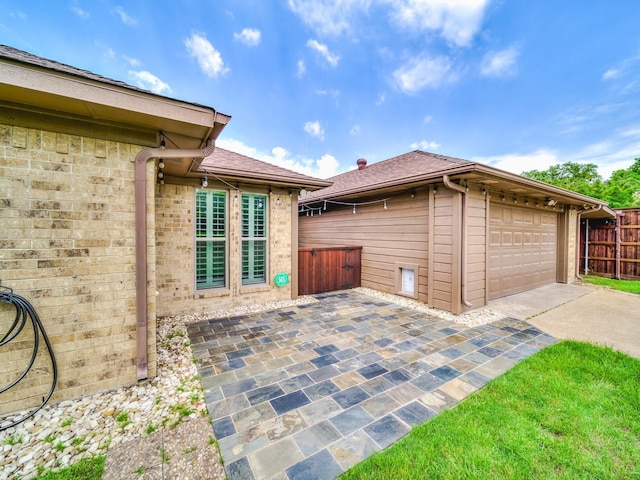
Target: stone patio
pixel 307 392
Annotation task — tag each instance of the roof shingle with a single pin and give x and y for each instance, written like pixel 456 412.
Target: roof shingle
pixel 15 55
pixel 394 171
pixel 231 164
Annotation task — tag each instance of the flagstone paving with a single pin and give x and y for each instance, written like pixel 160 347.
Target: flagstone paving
pixel 306 392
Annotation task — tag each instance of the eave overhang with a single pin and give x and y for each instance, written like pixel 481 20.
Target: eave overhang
pixel 32 94
pixel 493 180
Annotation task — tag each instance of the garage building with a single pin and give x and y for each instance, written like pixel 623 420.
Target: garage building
pixel 448 232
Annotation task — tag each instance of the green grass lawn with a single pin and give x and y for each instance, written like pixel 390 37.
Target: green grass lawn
pixel 631 286
pixel 570 411
pixel 87 469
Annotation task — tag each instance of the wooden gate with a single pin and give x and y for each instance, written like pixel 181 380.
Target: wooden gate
pixel 613 247
pixel 328 269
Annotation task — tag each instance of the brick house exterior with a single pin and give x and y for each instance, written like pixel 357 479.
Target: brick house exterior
pixel 93 239
pixel 233 175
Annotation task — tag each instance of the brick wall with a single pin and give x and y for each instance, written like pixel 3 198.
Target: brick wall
pixel 67 244
pixel 175 241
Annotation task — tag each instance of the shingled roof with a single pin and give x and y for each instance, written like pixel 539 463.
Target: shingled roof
pixel 13 54
pixel 417 168
pixel 95 105
pixel 232 165
pixel 401 170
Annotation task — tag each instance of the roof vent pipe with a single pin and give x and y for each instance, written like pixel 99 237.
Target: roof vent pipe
pixel 362 163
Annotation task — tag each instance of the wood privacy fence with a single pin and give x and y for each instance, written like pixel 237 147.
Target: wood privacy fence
pixel 613 248
pixel 328 269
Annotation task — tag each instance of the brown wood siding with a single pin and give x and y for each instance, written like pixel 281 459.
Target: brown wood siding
pixel 446 249
pixel 397 234
pixel 476 248
pixel 602 246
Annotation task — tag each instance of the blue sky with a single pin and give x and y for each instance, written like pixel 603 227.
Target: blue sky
pixel 313 85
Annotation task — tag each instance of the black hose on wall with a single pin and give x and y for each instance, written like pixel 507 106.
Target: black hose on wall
pixel 24 312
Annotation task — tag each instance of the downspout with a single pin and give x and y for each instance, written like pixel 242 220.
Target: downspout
pixel 140 190
pixel 463 244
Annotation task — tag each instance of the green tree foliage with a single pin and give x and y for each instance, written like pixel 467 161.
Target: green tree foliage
pixel 620 191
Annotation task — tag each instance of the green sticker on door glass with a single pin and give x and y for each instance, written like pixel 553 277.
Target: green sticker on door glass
pixel 281 279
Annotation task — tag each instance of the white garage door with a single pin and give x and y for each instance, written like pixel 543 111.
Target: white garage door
pixel 522 249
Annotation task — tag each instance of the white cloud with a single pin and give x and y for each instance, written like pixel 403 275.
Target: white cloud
pixel 355 130
pixel 381 99
pixel 125 17
pixel 331 93
pixel 425 145
pixel 427 119
pixel 329 17
pixel 323 50
pixel 624 68
pixel 500 64
pixel 517 163
pixel 134 62
pixel 455 20
pixel 327 166
pixel 208 58
pixel 324 167
pixel 148 81
pixel 18 15
pixel 633 131
pixel 611 73
pixel 424 72
pixel 617 152
pixel 79 11
pixel 300 68
pixel 249 36
pixel 314 129
pixel 584 117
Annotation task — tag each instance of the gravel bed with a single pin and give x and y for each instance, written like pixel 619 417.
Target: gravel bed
pixel 63 433
pixel 472 318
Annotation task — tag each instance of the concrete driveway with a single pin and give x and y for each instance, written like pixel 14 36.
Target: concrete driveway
pixel 604 317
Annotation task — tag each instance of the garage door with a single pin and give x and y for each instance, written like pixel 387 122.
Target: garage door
pixel 522 249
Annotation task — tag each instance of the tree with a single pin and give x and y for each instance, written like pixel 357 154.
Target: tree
pixel 578 177
pixel 623 188
pixel 620 191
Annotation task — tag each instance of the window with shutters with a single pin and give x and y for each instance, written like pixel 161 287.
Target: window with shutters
pixel 254 239
pixel 211 239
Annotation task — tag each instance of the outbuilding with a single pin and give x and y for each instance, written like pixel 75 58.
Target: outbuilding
pixel 448 232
